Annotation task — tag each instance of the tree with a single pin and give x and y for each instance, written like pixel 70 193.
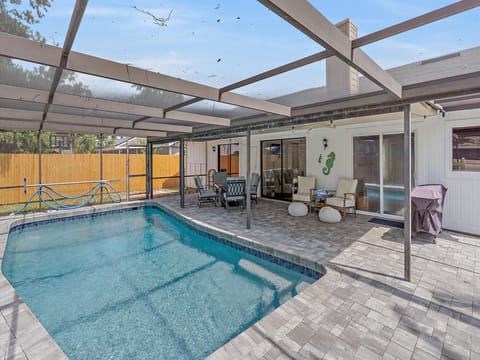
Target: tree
pixel 17 17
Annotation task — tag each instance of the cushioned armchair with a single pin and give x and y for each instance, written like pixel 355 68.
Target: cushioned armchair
pixel 204 195
pixel 344 197
pixel 304 189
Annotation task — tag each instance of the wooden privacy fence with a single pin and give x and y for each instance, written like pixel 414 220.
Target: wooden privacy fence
pixel 59 168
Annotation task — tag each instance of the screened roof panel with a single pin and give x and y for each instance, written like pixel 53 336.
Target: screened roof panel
pixel 275 88
pixel 51 27
pixel 220 43
pixel 25 74
pixel 373 15
pixel 211 42
pixel 440 38
pixel 74 83
pixel 213 108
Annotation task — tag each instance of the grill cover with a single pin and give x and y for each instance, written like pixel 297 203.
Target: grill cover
pixel 427 208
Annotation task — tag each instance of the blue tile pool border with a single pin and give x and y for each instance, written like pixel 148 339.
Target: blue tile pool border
pixel 202 230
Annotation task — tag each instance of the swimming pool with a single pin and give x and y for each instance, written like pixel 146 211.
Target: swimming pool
pixel 139 284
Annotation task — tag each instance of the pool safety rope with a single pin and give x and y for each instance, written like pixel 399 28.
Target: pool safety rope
pixel 46 195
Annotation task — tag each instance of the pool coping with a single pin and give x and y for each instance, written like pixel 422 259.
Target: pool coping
pixel 33 339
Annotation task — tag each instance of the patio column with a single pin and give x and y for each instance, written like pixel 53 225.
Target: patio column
pixel 182 173
pixel 101 166
pixel 127 170
pixel 149 170
pixel 249 215
pixel 39 142
pixel 407 181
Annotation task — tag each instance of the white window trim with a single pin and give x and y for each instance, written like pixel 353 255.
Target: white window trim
pixel 449 173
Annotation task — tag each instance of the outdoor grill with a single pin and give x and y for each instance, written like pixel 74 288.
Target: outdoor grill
pixel 427 208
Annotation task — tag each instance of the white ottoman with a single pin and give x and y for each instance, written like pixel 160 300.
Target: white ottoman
pixel 297 209
pixel 329 215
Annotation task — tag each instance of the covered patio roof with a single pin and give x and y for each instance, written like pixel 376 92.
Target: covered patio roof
pixel 181 107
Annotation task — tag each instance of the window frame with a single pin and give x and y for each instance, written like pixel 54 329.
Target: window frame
pixel 451 125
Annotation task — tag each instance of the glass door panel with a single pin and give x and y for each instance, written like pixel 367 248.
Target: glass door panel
pixel 271 168
pixel 228 159
pixel 282 161
pixel 379 170
pixel 366 168
pixel 293 163
pixel 393 188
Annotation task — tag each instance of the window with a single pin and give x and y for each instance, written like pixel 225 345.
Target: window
pixel 466 149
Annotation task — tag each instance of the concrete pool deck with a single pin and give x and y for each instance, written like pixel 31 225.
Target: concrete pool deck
pixel 361 309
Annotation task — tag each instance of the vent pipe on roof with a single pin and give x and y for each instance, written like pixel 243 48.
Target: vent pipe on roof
pixel 342 80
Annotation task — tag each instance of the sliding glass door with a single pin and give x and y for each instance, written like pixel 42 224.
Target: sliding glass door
pixel 228 159
pixel 378 165
pixel 282 161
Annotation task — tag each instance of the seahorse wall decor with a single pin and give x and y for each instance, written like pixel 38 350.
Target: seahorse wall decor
pixel 329 163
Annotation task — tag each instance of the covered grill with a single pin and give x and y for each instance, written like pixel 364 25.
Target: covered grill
pixel 427 208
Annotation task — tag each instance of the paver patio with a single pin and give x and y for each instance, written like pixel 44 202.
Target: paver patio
pixel 362 308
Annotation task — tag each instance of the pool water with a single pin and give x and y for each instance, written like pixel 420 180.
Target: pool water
pixel 140 285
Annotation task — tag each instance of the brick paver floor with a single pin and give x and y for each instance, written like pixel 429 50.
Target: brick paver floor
pixel 362 308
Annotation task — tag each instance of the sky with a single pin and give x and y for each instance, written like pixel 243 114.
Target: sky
pixel 223 41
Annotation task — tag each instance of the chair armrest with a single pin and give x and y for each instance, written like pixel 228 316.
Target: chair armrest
pixel 345 198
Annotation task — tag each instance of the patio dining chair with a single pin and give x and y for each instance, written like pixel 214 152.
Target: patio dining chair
pixel 204 195
pixel 234 192
pixel 254 181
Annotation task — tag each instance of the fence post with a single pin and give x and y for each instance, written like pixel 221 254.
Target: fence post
pixel 182 173
pixel 149 170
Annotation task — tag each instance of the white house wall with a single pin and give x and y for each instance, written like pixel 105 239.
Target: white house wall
pixel 462 211
pixel 432 162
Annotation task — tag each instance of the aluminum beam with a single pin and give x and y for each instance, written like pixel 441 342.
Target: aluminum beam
pixel 9 124
pixel 83 102
pixel 19 114
pixel 306 18
pixel 355 106
pixel 21 48
pixel 114 123
pixel 197 118
pixel 255 104
pixel 139 133
pixel 106 105
pixel 24 49
pixel 70 128
pixel 427 18
pixel 76 19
